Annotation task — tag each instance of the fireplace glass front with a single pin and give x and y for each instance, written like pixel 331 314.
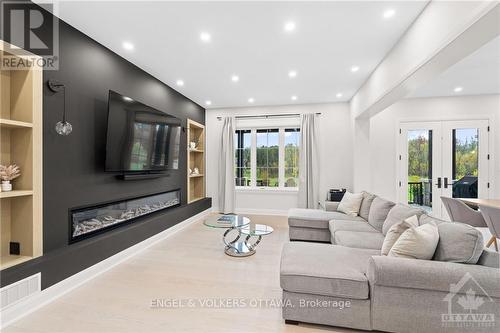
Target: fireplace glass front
pixel 87 221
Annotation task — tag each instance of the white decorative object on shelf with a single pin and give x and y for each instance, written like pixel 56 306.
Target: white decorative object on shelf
pixel 192 145
pixel 196 171
pixel 8 173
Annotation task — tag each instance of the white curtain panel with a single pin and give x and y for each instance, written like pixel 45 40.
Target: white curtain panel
pixel 308 162
pixel 226 167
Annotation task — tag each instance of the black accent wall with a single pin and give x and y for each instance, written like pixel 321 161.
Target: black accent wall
pixel 73 166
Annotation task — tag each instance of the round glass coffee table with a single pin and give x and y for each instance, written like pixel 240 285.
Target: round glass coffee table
pixel 238 226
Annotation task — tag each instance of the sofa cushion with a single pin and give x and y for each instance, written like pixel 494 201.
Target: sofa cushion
pixel 399 213
pixel 364 210
pixel 459 242
pixel 350 203
pixel 489 258
pixel 315 218
pixel 395 232
pixel 344 225
pixel 359 239
pixel 323 269
pixel 309 234
pixel 378 212
pixel 417 243
pixel 424 218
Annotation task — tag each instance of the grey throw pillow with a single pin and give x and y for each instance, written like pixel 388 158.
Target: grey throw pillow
pixel 378 212
pixel 459 242
pixel 397 214
pixel 364 210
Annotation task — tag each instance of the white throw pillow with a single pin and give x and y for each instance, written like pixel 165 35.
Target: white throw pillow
pixel 417 243
pixel 396 231
pixel 350 203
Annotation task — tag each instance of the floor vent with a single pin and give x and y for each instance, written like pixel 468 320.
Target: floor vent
pixel 20 290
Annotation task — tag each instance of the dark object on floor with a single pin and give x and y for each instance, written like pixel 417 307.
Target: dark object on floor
pixel 336 195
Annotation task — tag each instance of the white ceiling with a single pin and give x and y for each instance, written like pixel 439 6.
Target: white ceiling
pixel 248 39
pixel 477 74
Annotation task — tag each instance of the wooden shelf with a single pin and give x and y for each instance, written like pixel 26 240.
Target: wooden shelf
pixel 196 176
pixel 21 135
pixel 13 194
pixel 196 159
pixel 196 199
pixel 12 260
pixel 8 123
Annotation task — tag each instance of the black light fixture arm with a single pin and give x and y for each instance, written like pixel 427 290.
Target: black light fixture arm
pixel 56 87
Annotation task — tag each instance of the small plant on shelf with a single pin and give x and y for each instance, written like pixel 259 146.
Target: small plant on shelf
pixel 8 173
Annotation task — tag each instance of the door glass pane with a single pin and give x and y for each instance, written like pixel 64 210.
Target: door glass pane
pixel 465 163
pixel 420 169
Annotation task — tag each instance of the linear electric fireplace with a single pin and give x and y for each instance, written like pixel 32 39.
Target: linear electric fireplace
pixel 86 222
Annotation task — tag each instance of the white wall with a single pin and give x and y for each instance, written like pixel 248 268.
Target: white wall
pixel 336 168
pixel 384 127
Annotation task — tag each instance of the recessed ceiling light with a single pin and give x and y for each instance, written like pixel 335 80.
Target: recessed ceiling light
pixel 339 95
pixel 235 78
pixel 128 46
pixel 208 102
pixel 127 99
pixel 292 74
pixel 251 100
pixel 205 37
pixel 289 26
pixel 180 83
pixel 354 69
pixel 389 13
pixel 458 89
pixel 294 98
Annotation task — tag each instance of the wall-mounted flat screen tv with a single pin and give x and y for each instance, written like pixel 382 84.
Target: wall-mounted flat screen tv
pixel 139 137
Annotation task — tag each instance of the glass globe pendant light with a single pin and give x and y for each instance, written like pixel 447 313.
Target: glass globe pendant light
pixel 63 127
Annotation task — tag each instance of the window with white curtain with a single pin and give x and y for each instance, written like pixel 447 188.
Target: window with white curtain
pixel 267 157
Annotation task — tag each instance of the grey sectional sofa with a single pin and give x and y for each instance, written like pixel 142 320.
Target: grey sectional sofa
pixel 334 274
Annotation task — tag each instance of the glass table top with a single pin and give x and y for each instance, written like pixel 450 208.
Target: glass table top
pixel 256 230
pixel 226 221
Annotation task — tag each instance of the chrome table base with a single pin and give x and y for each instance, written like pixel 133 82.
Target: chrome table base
pixel 237 248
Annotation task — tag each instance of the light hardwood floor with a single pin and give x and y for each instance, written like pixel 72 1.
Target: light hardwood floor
pixel 190 264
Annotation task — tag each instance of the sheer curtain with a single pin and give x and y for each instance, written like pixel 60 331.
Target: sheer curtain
pixel 226 167
pixel 308 162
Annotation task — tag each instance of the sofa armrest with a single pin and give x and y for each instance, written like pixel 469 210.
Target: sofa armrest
pixel 429 274
pixel 331 206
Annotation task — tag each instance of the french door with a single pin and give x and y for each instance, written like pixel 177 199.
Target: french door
pixel 443 158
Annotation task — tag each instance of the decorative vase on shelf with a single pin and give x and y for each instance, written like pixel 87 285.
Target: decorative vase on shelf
pixel 6 186
pixel 192 145
pixel 8 173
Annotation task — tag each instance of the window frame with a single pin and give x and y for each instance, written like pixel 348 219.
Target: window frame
pixel 253 160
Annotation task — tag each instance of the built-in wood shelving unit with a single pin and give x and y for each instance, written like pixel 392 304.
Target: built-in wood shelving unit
pixel 21 143
pixel 196 159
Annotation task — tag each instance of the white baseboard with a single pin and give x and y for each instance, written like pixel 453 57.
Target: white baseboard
pixel 253 211
pixel 15 312
pixel 258 211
